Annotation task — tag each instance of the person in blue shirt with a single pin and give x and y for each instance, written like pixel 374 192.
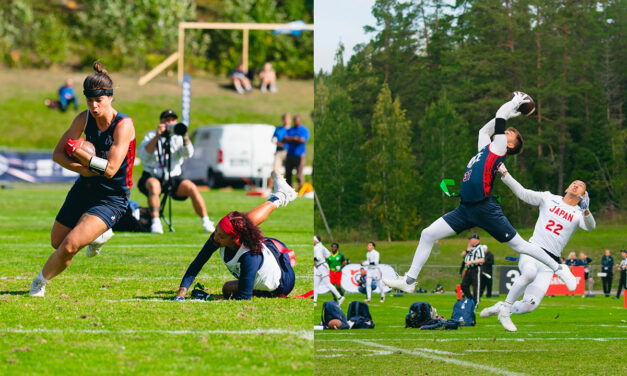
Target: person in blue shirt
pixel 281 147
pixel 257 263
pixel 478 207
pixel 66 96
pixel 297 138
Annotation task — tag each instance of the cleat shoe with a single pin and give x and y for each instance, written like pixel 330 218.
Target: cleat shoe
pixel 367 300
pixel 383 299
pixel 178 299
pixel 400 284
pixel 156 227
pixel 564 273
pixel 491 311
pixel 506 320
pixel 93 249
pixel 38 288
pixel 340 300
pixel 282 190
pixel 208 225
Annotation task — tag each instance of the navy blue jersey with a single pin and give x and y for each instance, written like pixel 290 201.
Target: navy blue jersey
pixel 122 181
pixel 479 176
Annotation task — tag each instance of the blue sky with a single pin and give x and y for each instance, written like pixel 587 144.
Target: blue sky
pixel 339 20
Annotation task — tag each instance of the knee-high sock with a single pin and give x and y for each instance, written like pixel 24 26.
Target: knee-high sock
pixel 381 287
pixel 316 287
pixel 520 245
pixel 368 287
pixel 436 231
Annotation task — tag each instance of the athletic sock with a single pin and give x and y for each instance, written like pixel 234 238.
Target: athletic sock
pixel 275 199
pixel 520 245
pixel 40 277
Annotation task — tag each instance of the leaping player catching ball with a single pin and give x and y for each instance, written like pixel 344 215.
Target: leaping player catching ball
pixel 478 207
pixel 100 195
pixel 558 220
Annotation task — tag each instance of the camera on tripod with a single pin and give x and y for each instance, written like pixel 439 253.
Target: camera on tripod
pixel 178 129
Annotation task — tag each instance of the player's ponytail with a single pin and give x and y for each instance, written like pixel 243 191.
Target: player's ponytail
pixel 99 80
pixel 250 235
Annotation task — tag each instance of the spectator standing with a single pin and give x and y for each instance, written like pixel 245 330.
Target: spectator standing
pixel 279 139
pixel 486 274
pixel 607 267
pixel 373 276
pixel 623 273
pixel 585 262
pixel 571 260
pixel 474 258
pixel 268 79
pixel 336 262
pixel 297 137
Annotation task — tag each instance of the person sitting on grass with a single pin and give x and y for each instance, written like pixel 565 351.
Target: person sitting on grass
pixel 268 79
pixel 66 96
pixel 240 81
pixel 257 262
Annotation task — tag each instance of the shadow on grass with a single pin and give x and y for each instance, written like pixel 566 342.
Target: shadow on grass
pixel 13 292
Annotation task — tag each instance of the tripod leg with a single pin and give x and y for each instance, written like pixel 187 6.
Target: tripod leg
pixel 166 198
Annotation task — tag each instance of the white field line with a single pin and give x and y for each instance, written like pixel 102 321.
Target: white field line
pixel 504 351
pixel 306 334
pixel 129 278
pixel 424 354
pixel 470 339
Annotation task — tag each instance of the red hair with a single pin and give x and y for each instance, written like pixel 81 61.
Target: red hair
pixel 249 234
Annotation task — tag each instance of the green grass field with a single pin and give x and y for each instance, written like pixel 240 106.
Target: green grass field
pixel 114 314
pixel 563 336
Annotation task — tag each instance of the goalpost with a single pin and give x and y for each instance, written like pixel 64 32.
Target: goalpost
pixel 245 27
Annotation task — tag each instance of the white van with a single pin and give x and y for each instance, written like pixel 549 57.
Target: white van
pixel 229 152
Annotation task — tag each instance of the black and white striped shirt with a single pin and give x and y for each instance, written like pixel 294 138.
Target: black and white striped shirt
pixel 475 253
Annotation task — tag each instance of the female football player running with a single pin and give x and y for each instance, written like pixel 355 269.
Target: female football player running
pixel 257 262
pixel 558 220
pixel 100 195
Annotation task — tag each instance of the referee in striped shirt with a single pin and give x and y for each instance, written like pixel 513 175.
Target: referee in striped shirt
pixel 474 257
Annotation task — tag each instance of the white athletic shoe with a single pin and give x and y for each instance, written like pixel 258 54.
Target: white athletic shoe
pixel 564 273
pixel 315 304
pixel 156 227
pixel 367 300
pixel 506 320
pixel 341 300
pixel 383 299
pixel 38 288
pixel 282 190
pixel 93 249
pixel 400 284
pixel 491 311
pixel 208 225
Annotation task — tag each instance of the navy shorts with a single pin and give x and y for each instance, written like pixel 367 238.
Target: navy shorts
pixel 83 198
pixel 486 214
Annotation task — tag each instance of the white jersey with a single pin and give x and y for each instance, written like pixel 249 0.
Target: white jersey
pixel 557 221
pixel 372 257
pixel 268 277
pixel 321 253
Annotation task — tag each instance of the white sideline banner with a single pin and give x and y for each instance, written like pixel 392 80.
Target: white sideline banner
pixel 350 273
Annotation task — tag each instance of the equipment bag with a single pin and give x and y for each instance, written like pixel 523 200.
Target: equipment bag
pixel 331 310
pixel 359 313
pixel 419 314
pixel 464 312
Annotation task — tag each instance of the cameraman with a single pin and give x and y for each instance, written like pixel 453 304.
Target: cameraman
pixel 156 177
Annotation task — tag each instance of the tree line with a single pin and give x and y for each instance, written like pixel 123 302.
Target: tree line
pixel 404 112
pixel 138 35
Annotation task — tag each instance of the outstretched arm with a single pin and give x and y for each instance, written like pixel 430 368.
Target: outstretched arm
pixel 527 195
pixel 485 134
pixel 588 222
pixel 196 265
pixel 507 111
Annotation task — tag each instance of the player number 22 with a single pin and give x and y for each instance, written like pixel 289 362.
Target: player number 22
pixel 557 228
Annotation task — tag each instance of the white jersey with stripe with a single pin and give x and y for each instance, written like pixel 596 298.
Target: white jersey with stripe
pixel 557 221
pixel 268 277
pixel 321 253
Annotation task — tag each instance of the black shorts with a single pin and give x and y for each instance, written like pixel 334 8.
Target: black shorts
pixel 176 182
pixel 83 198
pixel 486 214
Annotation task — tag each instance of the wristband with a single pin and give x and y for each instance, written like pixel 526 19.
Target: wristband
pixel 98 165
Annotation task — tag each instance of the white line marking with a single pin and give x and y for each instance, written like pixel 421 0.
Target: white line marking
pixel 306 334
pixel 423 353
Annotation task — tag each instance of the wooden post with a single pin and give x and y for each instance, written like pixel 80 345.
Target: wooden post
pixel 245 51
pixel 181 52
